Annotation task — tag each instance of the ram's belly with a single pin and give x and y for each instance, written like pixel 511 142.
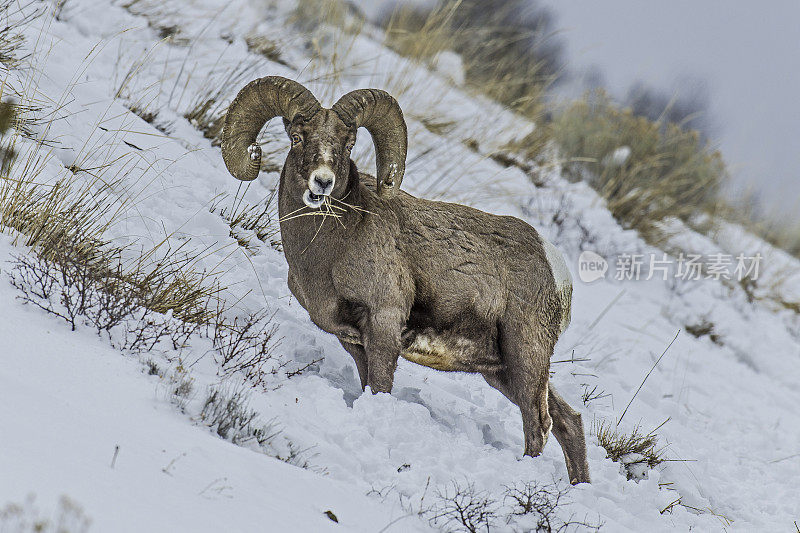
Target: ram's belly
pixel 450 352
pixel 434 352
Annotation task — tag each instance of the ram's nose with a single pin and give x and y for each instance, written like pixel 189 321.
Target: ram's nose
pixel 322 181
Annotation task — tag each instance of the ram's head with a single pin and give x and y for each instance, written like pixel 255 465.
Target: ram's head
pixel 319 159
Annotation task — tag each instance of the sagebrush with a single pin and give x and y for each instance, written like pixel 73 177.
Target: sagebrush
pixel 647 171
pixel 510 52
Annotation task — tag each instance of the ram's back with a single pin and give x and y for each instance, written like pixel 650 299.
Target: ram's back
pixel 464 260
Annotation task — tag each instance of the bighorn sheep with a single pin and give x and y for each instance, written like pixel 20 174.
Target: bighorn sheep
pixel 440 284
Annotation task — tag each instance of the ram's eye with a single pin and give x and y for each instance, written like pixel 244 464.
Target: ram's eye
pixel 349 146
pixel 296 139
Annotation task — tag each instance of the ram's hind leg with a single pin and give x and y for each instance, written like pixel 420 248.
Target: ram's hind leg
pixel 360 357
pixel 526 358
pixel 568 430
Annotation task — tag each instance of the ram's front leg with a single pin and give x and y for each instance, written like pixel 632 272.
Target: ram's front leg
pixel 382 344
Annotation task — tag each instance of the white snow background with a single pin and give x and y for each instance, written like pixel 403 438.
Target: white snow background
pixel 69 399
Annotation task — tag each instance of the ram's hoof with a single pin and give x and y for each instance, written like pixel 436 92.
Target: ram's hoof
pixel 254 151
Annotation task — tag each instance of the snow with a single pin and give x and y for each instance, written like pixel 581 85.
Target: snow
pixel 70 398
pixel 450 66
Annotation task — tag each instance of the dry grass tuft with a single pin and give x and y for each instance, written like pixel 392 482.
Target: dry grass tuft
pixel 143 112
pixel 435 125
pixel 228 414
pixel 590 395
pixel 206 111
pixel 207 107
pixel 262 45
pixel 309 15
pixel 156 14
pixel 509 52
pixel 702 328
pixel 81 294
pixel 64 222
pixel 148 114
pixel 7 154
pixel 249 221
pixel 68 517
pixel 420 34
pixel 207 115
pixel 779 231
pixel 634 451
pixel 15 15
pixel 647 171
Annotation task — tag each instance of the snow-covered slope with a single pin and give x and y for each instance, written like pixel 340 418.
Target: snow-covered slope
pixel 69 398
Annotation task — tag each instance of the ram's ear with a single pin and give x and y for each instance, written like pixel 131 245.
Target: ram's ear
pixel 286 125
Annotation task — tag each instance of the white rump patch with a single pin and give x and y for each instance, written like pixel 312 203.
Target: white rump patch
pixel 563 281
pixel 557 264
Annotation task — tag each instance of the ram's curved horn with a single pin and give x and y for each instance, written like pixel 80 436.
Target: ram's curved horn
pixel 257 103
pixel 380 114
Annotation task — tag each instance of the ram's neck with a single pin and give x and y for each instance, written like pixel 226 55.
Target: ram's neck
pixel 312 238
